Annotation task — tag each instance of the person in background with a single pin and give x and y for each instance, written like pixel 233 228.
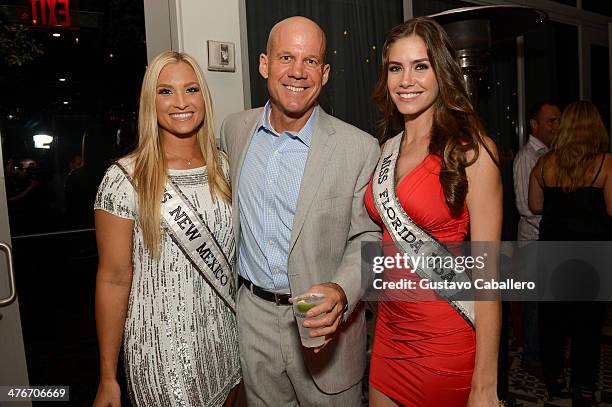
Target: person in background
pixel 438 177
pixel 26 196
pixel 75 162
pixel 166 251
pixel 544 121
pixel 571 187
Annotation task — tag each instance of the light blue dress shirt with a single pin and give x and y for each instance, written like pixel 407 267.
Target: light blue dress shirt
pixel 268 191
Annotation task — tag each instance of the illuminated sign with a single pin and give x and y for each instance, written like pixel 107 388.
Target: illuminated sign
pixel 51 13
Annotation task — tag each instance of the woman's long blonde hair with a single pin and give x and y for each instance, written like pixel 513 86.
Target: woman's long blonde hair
pixel 582 137
pixel 149 159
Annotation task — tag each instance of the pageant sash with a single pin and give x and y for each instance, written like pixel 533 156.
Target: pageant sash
pixel 410 237
pixel 189 231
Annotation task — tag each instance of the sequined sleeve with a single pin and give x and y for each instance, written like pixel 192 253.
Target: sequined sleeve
pixel 116 194
pixel 225 166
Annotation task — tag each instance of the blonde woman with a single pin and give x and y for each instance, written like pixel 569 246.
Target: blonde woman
pixel 166 250
pixel 571 186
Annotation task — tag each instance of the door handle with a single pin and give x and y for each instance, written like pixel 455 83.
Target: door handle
pixel 11 275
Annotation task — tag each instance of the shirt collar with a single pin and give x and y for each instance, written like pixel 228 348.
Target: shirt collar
pixel 537 143
pixel 304 134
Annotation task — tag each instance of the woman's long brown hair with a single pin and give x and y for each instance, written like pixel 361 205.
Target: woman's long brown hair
pixel 456 128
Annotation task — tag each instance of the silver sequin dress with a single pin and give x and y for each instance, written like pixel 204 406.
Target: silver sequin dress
pixel 180 339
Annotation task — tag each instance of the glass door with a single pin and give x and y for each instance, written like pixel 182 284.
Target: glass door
pixel 70 73
pixel 12 352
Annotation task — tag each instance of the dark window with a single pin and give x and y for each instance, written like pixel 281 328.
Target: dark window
pixel 73 74
pixel 600 81
pixel 598 6
pixel 428 7
pixel 551 64
pixel 567 2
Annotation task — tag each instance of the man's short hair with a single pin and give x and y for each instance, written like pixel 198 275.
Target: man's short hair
pixel 534 112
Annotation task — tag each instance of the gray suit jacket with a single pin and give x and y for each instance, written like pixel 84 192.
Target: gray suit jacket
pixel 329 225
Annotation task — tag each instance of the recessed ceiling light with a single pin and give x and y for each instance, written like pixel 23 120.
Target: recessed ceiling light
pixel 62 79
pixel 42 141
pixel 56 35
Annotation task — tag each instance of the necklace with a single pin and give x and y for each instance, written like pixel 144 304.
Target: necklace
pixel 187 161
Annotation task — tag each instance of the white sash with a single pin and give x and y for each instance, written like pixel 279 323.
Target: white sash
pixel 410 237
pixel 191 234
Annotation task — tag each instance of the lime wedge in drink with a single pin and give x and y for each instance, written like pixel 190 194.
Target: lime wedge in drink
pixel 303 306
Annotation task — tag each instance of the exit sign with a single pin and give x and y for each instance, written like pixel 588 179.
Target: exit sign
pixel 51 13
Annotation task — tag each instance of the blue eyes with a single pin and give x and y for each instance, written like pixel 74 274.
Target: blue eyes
pixel 307 61
pixel 166 91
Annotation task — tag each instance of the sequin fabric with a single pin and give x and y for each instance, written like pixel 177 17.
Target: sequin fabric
pixel 180 339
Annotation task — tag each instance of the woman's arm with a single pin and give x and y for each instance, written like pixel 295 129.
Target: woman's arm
pixel 608 183
pixel 113 282
pixel 484 202
pixel 536 193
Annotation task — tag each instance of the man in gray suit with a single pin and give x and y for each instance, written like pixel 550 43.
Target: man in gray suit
pixel 299 177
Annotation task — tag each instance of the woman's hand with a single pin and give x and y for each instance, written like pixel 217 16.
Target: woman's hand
pixel 483 397
pixel 108 395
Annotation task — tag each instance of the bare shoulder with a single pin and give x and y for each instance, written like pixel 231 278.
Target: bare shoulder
pixel 608 165
pixel 488 157
pixel 543 158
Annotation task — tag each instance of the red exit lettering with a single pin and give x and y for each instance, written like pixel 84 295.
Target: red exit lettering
pixel 49 10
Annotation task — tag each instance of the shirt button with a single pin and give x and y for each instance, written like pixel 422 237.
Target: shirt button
pixel 276 152
pixel 270 182
pixel 270 242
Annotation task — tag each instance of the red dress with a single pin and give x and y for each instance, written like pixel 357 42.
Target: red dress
pixel 424 351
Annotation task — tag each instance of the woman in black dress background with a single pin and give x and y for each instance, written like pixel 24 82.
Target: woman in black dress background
pixel 571 186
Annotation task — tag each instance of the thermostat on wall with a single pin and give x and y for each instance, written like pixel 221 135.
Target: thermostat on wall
pixel 221 56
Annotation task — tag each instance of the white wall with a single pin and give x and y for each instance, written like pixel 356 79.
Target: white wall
pixel 193 22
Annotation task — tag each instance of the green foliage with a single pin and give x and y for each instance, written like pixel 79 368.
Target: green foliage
pixel 17 46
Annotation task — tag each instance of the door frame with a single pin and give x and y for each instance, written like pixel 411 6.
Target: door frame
pixel 14 370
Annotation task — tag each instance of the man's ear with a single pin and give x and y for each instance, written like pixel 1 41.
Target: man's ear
pixel 533 124
pixel 263 65
pixel 326 68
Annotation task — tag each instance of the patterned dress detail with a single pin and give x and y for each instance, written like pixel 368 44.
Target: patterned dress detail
pixel 180 338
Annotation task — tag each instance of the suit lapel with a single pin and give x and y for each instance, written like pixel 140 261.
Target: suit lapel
pixel 245 135
pixel 319 155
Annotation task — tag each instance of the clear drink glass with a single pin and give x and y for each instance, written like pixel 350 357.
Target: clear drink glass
pixel 301 305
